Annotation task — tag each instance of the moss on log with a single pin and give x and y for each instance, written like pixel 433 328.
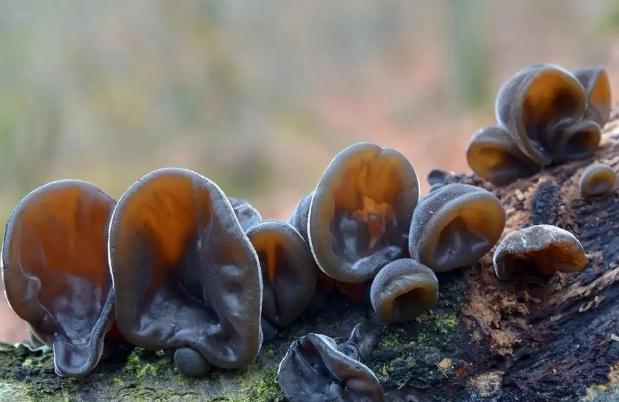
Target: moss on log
pixel 532 339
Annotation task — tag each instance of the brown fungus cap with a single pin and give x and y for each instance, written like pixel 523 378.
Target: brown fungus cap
pixel 403 290
pixel 360 212
pixel 493 155
pixel 288 271
pixel 185 273
pixel 247 215
pixel 597 87
pixel 543 248
pixel 55 270
pixel 314 369
pixel 539 100
pixel 455 226
pixel 597 179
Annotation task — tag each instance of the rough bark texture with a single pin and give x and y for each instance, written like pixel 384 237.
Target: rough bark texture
pixel 529 339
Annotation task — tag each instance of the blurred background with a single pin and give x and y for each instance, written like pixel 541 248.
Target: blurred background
pixel 258 96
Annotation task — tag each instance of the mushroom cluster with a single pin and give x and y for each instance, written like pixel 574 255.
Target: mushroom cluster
pixel 367 230
pixel 176 265
pixel 545 114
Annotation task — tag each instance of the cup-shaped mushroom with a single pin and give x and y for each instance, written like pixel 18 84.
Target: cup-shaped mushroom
pixel 573 140
pixel 533 101
pixel 494 156
pixel 597 179
pixel 360 212
pixel 55 270
pixel 597 87
pixel 288 271
pixel 542 248
pixel 403 290
pixel 314 369
pixel 298 218
pixel 455 226
pixel 185 273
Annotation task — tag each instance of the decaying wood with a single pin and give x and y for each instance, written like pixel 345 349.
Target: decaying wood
pixel 529 339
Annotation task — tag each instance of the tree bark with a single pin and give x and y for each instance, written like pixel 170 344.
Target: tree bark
pixel 530 339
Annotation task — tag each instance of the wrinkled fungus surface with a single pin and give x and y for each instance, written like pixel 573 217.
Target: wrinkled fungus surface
pixel 403 290
pixel 455 226
pixel 494 155
pixel 597 179
pixel 360 212
pixel 288 271
pixel 314 369
pixel 186 275
pixel 55 270
pixel 542 248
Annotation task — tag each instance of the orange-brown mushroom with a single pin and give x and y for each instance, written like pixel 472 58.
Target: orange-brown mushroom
pixel 493 155
pixel 360 212
pixel 403 290
pixel 55 270
pixel 538 105
pixel 288 271
pixel 543 248
pixel 597 179
pixel 597 87
pixel 186 275
pixel 455 226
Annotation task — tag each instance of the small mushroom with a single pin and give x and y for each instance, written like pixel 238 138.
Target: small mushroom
pixel 455 226
pixel 288 271
pixel 298 218
pixel 543 248
pixel 570 140
pixel 314 369
pixel 597 87
pixel 360 212
pixel 403 290
pixel 597 179
pixel 494 156
pixel 247 215
pixel 55 270
pixel 186 275
pixel 534 101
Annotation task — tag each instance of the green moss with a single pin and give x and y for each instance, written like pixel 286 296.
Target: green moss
pixel 263 387
pixel 142 363
pixel 422 353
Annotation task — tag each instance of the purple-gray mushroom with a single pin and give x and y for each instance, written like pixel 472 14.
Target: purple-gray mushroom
pixel 247 215
pixel 315 370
